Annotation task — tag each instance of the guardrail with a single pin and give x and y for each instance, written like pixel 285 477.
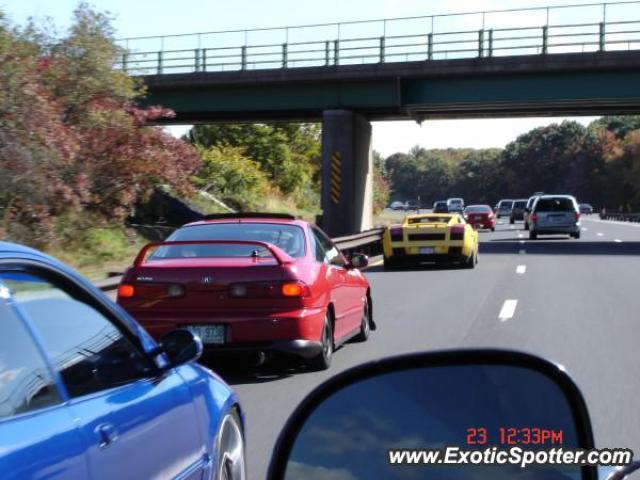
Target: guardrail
pixel 368 242
pixel 481 34
pixel 623 217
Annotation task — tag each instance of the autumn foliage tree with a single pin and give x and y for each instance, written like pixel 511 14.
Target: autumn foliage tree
pixel 71 134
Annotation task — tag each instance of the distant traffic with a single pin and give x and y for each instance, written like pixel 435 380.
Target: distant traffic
pixel 447 234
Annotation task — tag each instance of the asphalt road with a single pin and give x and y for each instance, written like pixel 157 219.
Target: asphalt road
pixel 577 303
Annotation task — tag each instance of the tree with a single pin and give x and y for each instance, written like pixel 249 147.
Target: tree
pixel 619 125
pixel 289 154
pixel 229 174
pixel 71 135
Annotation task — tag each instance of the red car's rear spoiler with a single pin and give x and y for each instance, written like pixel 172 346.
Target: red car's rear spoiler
pixel 281 256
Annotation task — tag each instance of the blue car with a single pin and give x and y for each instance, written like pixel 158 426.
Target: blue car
pixel 85 393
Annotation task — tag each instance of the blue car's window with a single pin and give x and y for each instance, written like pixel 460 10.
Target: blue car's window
pixel 25 381
pixel 88 350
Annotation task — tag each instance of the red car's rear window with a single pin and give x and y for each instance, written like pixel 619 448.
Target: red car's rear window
pixel 289 238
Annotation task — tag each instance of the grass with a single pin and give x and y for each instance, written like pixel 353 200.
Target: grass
pixel 93 247
pixel 96 249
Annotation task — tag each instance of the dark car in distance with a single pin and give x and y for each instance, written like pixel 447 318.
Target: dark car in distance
pixel 440 207
pixel 517 210
pixel 586 209
pixel 412 205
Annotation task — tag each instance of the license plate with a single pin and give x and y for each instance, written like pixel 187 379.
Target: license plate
pixel 209 334
pixel 478 218
pixel 427 250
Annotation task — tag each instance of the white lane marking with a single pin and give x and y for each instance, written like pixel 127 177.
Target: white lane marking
pixel 520 235
pixel 508 309
pixel 600 234
pixel 520 269
pixel 512 227
pixel 617 240
pixel 584 229
pixel 522 252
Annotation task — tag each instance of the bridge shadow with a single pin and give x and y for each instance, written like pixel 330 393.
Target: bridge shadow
pixel 560 246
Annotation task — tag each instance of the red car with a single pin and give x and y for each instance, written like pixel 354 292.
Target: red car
pixel 480 216
pixel 252 284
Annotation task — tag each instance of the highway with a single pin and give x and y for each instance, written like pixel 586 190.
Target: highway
pixel 573 301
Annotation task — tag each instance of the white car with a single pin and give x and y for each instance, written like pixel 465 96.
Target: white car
pixel 455 205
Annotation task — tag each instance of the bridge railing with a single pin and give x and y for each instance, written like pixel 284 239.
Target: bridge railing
pixel 587 27
pixel 623 217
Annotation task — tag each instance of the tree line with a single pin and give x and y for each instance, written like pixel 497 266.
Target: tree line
pixel 598 163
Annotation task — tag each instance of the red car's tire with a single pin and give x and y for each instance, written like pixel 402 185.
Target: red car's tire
pixel 365 326
pixel 322 361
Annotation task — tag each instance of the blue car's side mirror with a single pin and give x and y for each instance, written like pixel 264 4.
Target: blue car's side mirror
pixel 180 346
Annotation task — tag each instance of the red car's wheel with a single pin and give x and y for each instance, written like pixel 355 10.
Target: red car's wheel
pixel 365 327
pixel 323 360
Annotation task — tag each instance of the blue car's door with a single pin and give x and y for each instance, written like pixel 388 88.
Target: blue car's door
pixel 38 438
pixel 138 423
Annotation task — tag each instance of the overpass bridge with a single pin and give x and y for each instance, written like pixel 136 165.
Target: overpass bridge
pixel 569 60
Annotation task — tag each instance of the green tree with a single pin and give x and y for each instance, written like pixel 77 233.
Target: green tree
pixel 229 174
pixel 620 125
pixel 289 154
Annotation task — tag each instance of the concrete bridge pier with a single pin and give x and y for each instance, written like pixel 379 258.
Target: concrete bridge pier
pixel 347 173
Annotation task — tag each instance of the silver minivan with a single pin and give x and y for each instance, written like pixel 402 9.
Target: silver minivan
pixel 553 215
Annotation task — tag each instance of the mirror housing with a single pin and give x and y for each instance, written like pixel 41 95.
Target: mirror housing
pixel 359 260
pixel 180 346
pixel 623 472
pixel 422 401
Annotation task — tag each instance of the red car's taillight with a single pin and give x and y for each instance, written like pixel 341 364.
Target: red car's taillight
pixel 269 290
pixel 577 216
pixel 294 289
pixel 126 291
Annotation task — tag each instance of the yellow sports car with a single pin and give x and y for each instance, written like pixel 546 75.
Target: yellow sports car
pixel 430 237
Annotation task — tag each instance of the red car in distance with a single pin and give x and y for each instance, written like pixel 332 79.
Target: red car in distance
pixel 480 216
pixel 252 283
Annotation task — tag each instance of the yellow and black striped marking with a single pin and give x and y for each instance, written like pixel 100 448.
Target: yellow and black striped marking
pixel 336 177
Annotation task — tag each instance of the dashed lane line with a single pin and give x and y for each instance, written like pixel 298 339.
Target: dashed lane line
pixel 508 310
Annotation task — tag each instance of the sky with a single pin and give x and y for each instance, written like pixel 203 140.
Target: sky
pixel 136 18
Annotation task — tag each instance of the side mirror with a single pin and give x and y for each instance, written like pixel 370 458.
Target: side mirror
pixel 180 346
pixel 361 423
pixel 359 260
